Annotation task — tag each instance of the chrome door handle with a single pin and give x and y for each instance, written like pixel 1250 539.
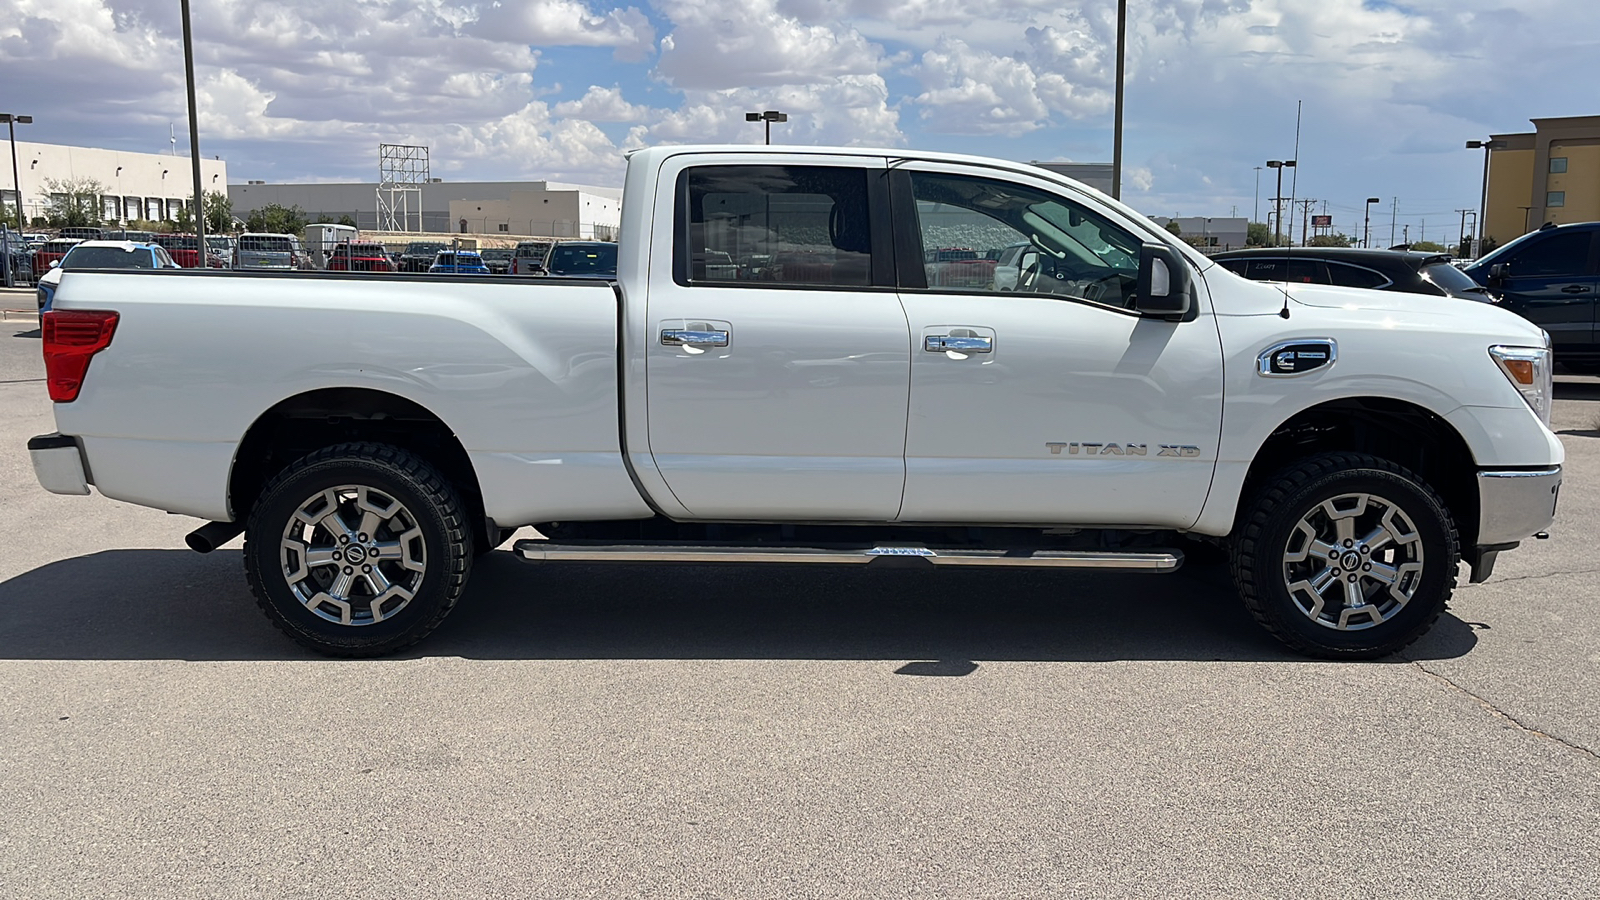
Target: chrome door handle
pixel 939 343
pixel 678 337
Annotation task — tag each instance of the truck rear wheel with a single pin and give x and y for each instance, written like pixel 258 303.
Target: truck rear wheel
pixel 1346 556
pixel 358 549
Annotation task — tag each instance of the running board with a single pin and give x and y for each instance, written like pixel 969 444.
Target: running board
pixel 552 551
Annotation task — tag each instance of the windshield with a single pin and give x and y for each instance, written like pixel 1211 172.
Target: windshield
pixel 599 260
pixel 532 251
pixel 497 254
pixel 421 249
pixel 266 243
pixel 108 258
pixel 1450 279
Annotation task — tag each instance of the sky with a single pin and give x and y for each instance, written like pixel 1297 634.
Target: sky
pixel 559 89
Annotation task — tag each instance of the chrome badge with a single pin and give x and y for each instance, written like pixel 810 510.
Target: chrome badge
pixel 1076 448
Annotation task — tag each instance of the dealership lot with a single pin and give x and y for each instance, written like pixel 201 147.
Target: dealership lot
pixel 654 731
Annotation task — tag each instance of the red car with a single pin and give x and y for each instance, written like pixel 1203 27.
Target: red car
pixel 359 258
pixel 183 248
pixel 52 251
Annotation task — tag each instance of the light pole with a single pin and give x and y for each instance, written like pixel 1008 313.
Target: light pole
pixel 1366 227
pixel 1257 216
pixel 199 216
pixel 12 120
pixel 768 117
pixel 1116 126
pixel 1483 200
pixel 1277 199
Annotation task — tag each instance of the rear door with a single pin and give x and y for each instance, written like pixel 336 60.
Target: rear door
pixel 777 360
pixel 1551 282
pixel 1053 402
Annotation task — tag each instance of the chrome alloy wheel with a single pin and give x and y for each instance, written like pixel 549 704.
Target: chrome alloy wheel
pixel 353 555
pixel 1353 562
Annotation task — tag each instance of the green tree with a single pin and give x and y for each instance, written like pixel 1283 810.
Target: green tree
pixel 219 213
pixel 1428 247
pixel 185 219
pixel 1329 240
pixel 346 220
pixel 1257 235
pixel 275 218
pixel 1175 228
pixel 74 202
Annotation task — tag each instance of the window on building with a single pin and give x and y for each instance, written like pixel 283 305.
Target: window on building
pixel 504 226
pixel 1558 165
pixel 1555 198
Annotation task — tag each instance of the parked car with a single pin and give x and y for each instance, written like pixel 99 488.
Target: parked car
pixel 959 267
pixel 1551 277
pixel 498 259
pixel 419 255
pixel 528 257
pixel 267 252
pixel 183 248
pixel 1008 265
pixel 51 252
pixel 102 255
pixel 582 259
pixel 83 233
pixel 1409 271
pixel 458 262
pixel 123 234
pixel 359 257
pixel 371 444
pixel 219 251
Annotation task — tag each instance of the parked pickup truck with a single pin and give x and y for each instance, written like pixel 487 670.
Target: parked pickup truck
pixel 771 378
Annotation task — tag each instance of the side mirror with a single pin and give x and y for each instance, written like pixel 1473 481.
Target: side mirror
pixel 1497 274
pixel 54 263
pixel 1163 288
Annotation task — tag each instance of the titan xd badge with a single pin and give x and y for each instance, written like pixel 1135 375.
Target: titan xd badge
pixel 1086 448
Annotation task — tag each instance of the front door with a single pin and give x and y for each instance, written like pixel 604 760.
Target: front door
pixel 1550 281
pixel 777 361
pixel 1040 397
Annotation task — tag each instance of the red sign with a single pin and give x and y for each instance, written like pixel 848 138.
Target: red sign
pixel 1322 221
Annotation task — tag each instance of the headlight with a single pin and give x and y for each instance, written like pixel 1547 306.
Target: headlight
pixel 1529 371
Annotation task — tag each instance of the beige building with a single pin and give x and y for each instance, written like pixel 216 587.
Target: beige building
pixel 152 186
pixel 1550 175
pixel 551 210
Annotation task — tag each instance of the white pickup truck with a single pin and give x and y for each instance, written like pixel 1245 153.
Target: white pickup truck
pixel 808 357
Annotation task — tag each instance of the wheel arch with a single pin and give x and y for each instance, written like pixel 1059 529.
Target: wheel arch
pixel 308 421
pixel 1400 431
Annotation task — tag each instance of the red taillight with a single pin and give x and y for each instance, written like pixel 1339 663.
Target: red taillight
pixel 71 339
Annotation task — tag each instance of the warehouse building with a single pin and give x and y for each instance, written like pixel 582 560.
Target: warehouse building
pixel 470 207
pixel 151 186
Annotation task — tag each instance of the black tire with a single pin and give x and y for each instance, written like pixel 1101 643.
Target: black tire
pixel 430 505
pixel 1262 552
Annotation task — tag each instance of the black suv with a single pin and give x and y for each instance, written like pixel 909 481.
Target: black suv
pixel 418 255
pixel 1551 277
pixel 1411 271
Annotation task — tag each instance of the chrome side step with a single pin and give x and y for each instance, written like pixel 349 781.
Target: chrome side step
pixel 551 551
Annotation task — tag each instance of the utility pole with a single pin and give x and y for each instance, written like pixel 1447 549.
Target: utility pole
pixel 1257 216
pixel 1405 235
pixel 1394 214
pixel 1305 217
pixel 1116 135
pixel 194 144
pixel 1463 212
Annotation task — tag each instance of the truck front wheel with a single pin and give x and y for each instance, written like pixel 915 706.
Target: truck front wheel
pixel 1345 556
pixel 358 549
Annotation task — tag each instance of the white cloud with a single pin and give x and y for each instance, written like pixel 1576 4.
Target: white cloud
pixel 603 105
pixel 851 110
pixel 969 91
pixel 720 44
pixel 568 23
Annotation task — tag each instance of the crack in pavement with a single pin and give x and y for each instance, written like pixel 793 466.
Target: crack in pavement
pixel 1502 714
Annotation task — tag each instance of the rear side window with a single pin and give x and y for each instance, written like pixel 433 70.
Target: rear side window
pixel 1557 255
pixel 775 225
pixel 1302 271
pixel 1236 266
pixel 1346 275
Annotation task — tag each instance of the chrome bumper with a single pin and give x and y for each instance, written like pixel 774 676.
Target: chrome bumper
pixel 1515 505
pixel 58 464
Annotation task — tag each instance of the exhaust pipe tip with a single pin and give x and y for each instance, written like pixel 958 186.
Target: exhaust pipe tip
pixel 212 535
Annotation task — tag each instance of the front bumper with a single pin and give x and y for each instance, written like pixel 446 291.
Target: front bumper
pixel 1516 504
pixel 58 464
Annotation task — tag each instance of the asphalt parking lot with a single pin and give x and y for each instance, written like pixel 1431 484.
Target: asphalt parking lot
pixel 751 732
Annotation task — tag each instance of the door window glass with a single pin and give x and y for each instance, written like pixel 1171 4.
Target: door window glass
pixel 1057 247
pixel 1355 276
pixel 1556 255
pixel 776 224
pixel 1266 270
